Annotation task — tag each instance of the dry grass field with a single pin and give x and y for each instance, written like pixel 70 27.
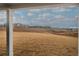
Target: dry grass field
pixel 2 43
pixel 40 44
pixel 28 43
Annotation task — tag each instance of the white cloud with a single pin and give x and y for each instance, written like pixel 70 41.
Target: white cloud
pixel 59 17
pixel 22 17
pixel 77 18
pixel 60 9
pixel 29 14
pixel 0 17
pixel 33 10
pixel 72 6
pixel 15 12
pixel 42 16
pixel 63 8
pixel 45 14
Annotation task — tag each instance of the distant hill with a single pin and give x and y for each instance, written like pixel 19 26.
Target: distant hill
pixel 46 29
pixel 29 26
pixel 43 29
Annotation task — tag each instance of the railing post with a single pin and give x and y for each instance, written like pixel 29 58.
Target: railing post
pixel 9 33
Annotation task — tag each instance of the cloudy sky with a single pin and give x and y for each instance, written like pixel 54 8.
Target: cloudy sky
pixel 53 16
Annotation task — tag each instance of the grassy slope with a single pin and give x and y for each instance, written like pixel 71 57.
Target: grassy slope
pixel 28 43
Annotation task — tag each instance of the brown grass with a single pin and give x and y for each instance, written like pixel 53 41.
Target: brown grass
pixel 28 43
pixel 41 44
pixel 3 43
